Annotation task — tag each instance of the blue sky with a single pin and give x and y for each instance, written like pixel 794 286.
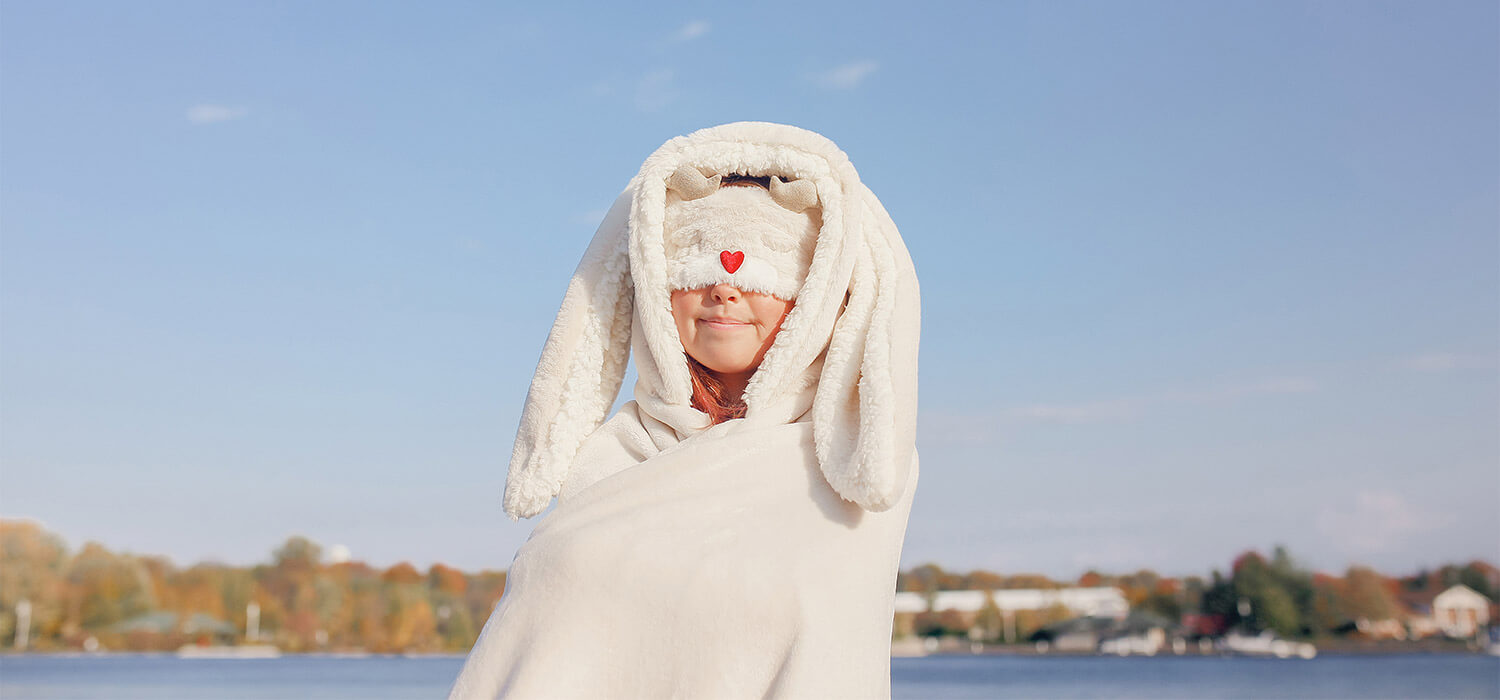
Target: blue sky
pixel 1197 277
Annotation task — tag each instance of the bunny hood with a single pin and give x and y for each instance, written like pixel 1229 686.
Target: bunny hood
pixel 755 558
pixel 845 358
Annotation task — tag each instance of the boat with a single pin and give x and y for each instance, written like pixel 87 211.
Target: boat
pixel 1266 644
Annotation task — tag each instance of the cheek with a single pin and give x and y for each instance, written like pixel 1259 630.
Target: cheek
pixel 681 309
pixel 770 313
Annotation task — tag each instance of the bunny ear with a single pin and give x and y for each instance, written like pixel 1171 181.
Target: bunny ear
pixel 865 411
pixel 582 366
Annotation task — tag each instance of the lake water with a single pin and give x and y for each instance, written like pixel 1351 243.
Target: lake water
pixel 167 677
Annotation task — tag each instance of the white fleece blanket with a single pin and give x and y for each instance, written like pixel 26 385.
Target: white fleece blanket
pixel 754 558
pixel 723 566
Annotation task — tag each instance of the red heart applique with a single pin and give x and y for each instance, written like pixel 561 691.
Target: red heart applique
pixel 731 261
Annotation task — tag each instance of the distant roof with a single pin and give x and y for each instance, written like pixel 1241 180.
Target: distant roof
pixel 1421 601
pixel 1418 601
pixel 203 622
pixel 160 621
pixel 1135 622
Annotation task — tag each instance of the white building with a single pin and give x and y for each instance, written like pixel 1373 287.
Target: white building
pixel 911 603
pixel 1102 601
pixel 1458 611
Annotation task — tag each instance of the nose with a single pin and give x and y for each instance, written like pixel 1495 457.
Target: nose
pixel 725 293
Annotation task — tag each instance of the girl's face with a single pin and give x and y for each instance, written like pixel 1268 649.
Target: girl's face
pixel 727 330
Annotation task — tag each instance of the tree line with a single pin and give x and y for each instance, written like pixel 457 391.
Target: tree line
pixel 304 603
pixel 1278 594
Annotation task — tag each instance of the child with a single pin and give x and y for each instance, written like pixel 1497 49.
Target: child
pixel 736 529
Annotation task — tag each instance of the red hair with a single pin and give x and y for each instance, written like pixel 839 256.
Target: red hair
pixel 709 395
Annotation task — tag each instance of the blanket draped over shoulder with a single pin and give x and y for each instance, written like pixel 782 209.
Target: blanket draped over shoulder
pixel 752 558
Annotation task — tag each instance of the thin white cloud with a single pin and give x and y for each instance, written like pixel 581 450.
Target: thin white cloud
pixel 213 114
pixel 655 90
pixel 1377 521
pixel 847 76
pixel 1438 361
pixel 691 30
pixel 982 428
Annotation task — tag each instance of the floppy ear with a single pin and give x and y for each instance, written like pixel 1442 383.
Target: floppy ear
pixel 865 410
pixel 582 366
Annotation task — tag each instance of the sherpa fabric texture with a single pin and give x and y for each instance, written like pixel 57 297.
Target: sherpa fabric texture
pixel 753 558
pixel 858 307
pixel 774 244
pixel 721 567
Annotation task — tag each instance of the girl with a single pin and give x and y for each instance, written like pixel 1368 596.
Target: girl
pixel 735 531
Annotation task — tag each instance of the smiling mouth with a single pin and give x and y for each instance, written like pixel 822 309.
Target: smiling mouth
pixel 722 323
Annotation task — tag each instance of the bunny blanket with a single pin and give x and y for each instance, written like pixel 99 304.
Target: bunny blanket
pixel 752 558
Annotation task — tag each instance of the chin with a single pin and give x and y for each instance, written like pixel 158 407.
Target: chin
pixel 728 366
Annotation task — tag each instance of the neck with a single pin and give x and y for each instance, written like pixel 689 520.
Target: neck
pixel 734 384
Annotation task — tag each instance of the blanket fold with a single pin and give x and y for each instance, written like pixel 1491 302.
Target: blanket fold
pixel 724 566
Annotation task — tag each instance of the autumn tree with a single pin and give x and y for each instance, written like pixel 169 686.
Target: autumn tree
pixel 1165 599
pixel 482 593
pixel 291 585
pixel 1367 595
pixel 455 625
pixel 32 568
pixel 105 588
pixel 984 580
pixel 1329 610
pixel 1030 581
pixel 928 578
pixel 410 622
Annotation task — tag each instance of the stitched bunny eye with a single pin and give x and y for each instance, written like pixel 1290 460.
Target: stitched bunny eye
pixel 794 195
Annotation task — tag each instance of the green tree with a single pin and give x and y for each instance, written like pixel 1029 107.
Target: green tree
pixel 1473 576
pixel 1297 582
pixel 1221 600
pixel 1162 603
pixel 297 554
pixel 1271 605
pixel 989 620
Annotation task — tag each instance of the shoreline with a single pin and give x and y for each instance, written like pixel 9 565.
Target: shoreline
pixel 946 650
pixel 910 647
